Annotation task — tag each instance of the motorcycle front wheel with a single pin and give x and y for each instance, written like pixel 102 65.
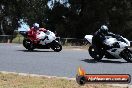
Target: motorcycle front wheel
pixel 95 54
pixel 127 55
pixel 56 46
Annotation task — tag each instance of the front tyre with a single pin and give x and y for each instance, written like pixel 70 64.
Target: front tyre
pixel 127 55
pixel 95 54
pixel 56 46
pixel 28 44
pixel 91 51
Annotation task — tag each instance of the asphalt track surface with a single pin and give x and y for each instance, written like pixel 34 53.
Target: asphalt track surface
pixel 15 58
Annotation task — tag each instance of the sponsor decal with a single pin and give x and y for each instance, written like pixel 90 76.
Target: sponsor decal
pixel 82 78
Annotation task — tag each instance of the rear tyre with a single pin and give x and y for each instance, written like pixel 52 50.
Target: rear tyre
pixel 95 54
pixel 56 46
pixel 28 44
pixel 127 55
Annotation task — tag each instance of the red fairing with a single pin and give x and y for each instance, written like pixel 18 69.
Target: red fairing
pixel 32 34
pixel 42 29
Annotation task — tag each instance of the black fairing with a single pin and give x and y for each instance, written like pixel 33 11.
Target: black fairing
pixel 109 56
pixel 40 46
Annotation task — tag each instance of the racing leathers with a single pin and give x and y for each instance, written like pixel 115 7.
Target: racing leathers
pixel 37 35
pixel 99 38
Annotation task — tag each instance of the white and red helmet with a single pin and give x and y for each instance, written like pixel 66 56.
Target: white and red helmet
pixel 36 25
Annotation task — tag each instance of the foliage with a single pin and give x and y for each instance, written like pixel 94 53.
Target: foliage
pixel 13 10
pixel 93 13
pixel 81 17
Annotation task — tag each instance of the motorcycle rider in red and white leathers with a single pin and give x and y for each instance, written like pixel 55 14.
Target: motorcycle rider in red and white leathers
pixel 35 31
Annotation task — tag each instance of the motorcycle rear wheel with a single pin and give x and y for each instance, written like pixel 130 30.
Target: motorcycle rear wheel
pixel 28 44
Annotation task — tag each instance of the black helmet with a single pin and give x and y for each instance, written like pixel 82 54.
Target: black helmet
pixel 104 29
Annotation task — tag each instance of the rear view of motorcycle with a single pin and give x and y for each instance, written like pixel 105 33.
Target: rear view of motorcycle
pixel 120 49
pixel 48 42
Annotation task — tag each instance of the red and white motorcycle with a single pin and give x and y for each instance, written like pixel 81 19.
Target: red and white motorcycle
pixel 47 43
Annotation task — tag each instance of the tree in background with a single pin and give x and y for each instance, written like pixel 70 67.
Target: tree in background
pixel 73 18
pixel 86 16
pixel 13 10
pixel 93 13
pixel 7 14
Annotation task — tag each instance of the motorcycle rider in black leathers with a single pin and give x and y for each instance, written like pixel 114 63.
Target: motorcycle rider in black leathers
pixel 99 38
